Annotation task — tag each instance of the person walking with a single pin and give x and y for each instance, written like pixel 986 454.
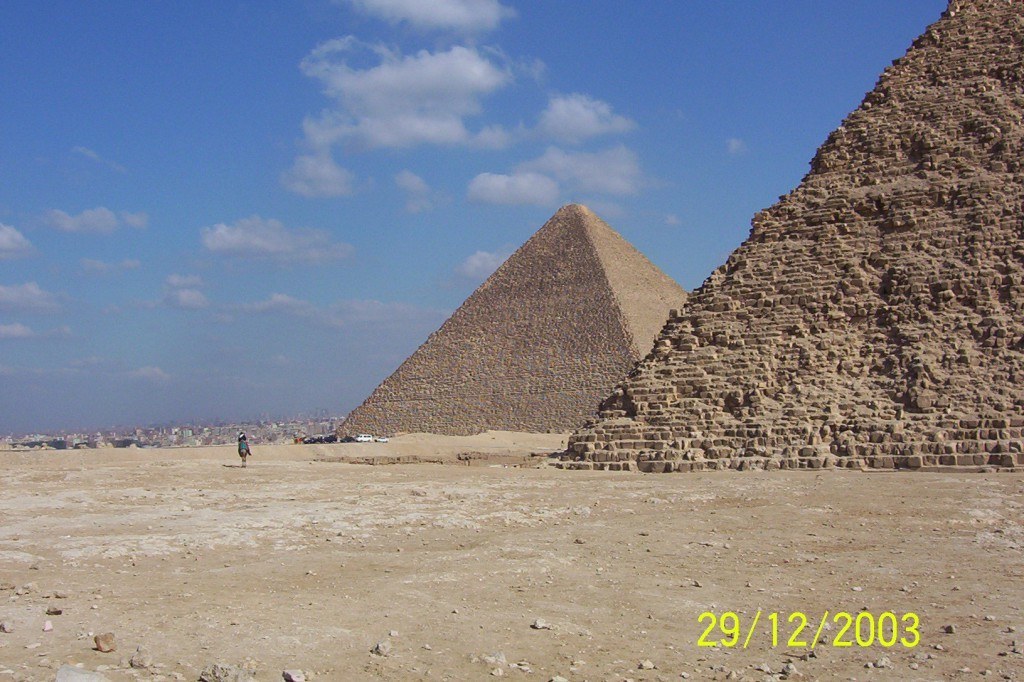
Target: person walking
pixel 243 447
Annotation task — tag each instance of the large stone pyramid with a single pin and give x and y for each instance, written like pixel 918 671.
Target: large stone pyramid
pixel 537 345
pixel 875 315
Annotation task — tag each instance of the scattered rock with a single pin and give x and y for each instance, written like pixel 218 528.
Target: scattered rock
pixel 6 626
pixel 293 676
pixel 558 678
pixel 48 626
pixel 105 642
pixel 540 624
pixel 645 664
pixel 949 629
pixel 54 611
pixel 381 648
pixel 141 658
pixel 219 672
pixel 497 658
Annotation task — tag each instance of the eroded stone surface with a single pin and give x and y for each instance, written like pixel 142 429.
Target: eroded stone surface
pixel 874 315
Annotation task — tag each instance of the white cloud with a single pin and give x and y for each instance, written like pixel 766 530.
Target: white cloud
pixel 255 237
pixel 18 331
pixel 317 175
pixel 280 304
pixel 90 154
pixel 468 16
pixel 403 100
pixel 519 188
pixel 138 220
pixel 13 243
pixel 153 374
pixel 576 117
pixel 417 192
pixel 186 299
pixel 184 281
pixel 15 331
pixel 97 220
pixel 340 314
pixel 672 219
pixel 183 292
pixel 28 297
pixel 481 264
pixel 735 146
pixel 613 171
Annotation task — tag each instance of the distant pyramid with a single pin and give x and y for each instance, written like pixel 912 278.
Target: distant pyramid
pixel 537 345
pixel 875 315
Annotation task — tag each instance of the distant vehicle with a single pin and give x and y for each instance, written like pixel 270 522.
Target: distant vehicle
pixel 324 438
pixel 364 438
pixel 382 439
pixel 348 439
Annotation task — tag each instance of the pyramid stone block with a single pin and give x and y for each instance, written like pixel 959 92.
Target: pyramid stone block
pixel 537 345
pixel 875 315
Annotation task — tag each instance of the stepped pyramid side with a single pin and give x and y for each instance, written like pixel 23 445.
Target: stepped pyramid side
pixel 875 315
pixel 537 345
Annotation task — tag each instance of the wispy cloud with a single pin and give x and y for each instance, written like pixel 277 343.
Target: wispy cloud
pixel 735 146
pixel 151 374
pixel 466 16
pixel 176 280
pixel 186 299
pixel 182 292
pixel 269 239
pixel 340 314
pixel 99 220
pixel 541 181
pixel 317 175
pixel 18 331
pixel 15 331
pixel 613 171
pixel 13 243
pixel 28 297
pixel 90 154
pixel 576 117
pixel 93 266
pixel 404 100
pixel 481 264
pixel 518 188
pixel 418 195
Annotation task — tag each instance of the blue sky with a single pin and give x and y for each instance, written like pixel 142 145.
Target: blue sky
pixel 233 209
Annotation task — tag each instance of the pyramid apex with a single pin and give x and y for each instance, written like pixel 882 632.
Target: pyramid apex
pixel 537 345
pixel 574 209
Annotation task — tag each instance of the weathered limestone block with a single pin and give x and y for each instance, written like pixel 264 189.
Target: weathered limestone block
pixel 875 315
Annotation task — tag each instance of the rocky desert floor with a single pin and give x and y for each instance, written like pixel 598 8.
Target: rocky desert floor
pixel 453 572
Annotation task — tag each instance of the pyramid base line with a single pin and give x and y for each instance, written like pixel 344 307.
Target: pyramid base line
pixel 626 445
pixel 662 464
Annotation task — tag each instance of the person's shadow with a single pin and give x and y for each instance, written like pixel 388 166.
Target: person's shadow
pixel 233 466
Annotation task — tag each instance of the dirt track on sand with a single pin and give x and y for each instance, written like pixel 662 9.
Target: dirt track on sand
pixel 294 564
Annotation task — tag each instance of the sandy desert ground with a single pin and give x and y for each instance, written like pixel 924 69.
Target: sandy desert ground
pixel 307 565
